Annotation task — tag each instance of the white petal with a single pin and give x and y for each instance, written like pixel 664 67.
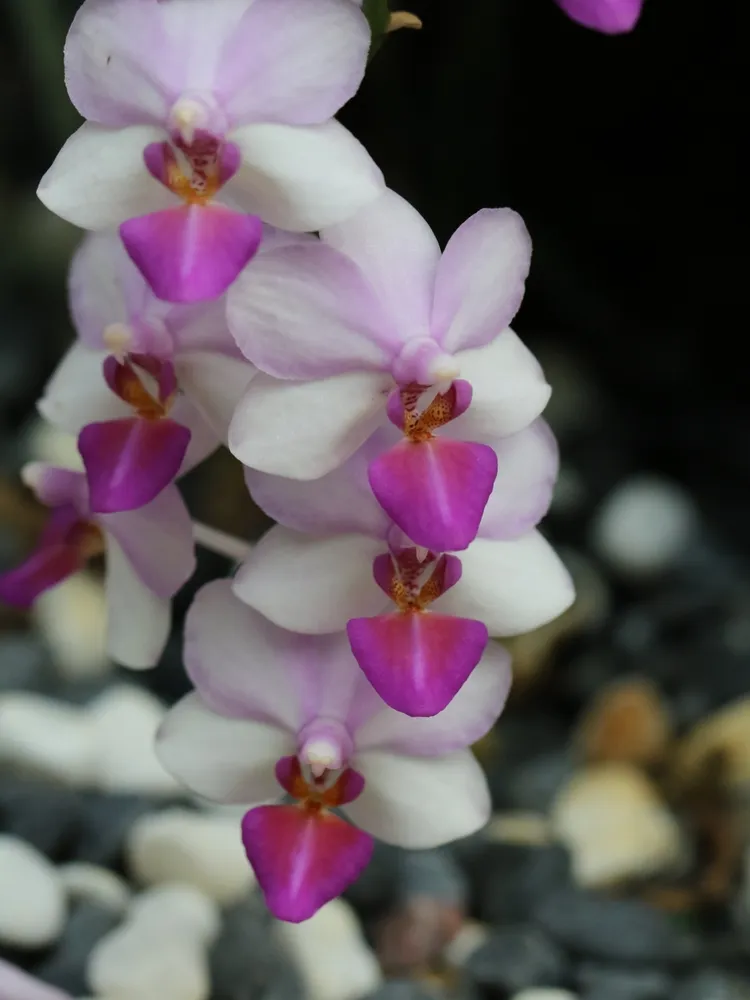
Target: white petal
pixel 420 802
pixel 226 760
pixel 138 621
pixel 99 178
pixel 398 253
pixel 310 584
pixel 302 177
pixel 77 394
pixel 306 429
pixel 511 586
pixel 470 715
pixel 509 390
pixel 204 440
pixel 214 383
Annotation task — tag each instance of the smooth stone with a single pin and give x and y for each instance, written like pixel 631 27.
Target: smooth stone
pixel 617 930
pixel 627 722
pixel 350 969
pixel 544 994
pixel 713 984
pixel 203 850
pixel 106 823
pixel 125 721
pixel 94 884
pixel 403 989
pixel 432 873
pixel 517 957
pixel 530 829
pixel 616 826
pixel 87 924
pixel 724 734
pixel 534 784
pixel 46 738
pixel 511 880
pixel 32 900
pixel 606 982
pixel 15 984
pixel 643 526
pixel 377 886
pixel 45 815
pixel 471 936
pixel 179 909
pixel 26 664
pixel 72 617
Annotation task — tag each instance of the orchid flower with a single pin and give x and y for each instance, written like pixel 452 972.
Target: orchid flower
pixel 198 113
pixel 417 619
pixel 149 555
pixel 612 17
pixel 150 387
pixel 276 712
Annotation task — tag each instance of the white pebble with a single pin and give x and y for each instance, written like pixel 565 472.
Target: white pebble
pixel 644 526
pixel 97 885
pixel 203 850
pixel 179 909
pixel 32 900
pixel 616 826
pixel 333 958
pixel 46 738
pixel 125 720
pixel 544 993
pixel 72 617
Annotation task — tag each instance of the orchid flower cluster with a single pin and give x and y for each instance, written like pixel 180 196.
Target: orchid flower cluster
pixel 249 281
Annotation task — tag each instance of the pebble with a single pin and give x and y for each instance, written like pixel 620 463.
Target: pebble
pixel 616 930
pixel 106 823
pixel 350 969
pixel 403 989
pixel 32 900
pixel 517 957
pixel 712 984
pixel 203 850
pixel 616 826
pixel 544 994
pixel 72 617
pixel 643 527
pixel 377 886
pixel 26 665
pixel 87 924
pixel 46 738
pixel 606 982
pixel 125 721
pixel 180 909
pixel 511 880
pixel 725 733
pixel 15 984
pixel 94 884
pixel 47 816
pixel 627 722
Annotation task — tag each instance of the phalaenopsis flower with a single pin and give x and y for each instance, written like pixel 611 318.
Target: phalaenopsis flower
pixel 149 555
pixel 149 388
pixel 200 112
pixel 418 620
pixel 612 17
pixel 275 713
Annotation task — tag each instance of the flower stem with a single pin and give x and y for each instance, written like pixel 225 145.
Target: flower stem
pixel 236 549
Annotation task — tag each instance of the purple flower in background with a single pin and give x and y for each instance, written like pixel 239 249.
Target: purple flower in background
pixel 277 712
pixel 149 554
pixel 198 113
pixel 612 17
pixel 418 620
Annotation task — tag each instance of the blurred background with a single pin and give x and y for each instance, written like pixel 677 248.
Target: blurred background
pixel 617 865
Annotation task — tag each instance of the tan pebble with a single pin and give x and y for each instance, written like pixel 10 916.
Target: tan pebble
pixel 726 733
pixel 627 722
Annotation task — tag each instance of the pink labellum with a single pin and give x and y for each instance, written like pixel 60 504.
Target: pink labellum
pixel 417 661
pixel 192 253
pixel 130 461
pixel 303 857
pixel 435 490
pixel 347 788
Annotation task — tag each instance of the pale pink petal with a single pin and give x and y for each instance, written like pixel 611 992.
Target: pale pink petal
pixel 436 490
pixel 130 461
pixel 279 306
pixel 417 662
pixel 480 279
pixel 527 470
pixel 158 541
pixel 337 503
pixel 512 587
pixel 55 487
pixel 306 429
pixel 310 584
pixel 224 760
pixel 397 252
pixel 293 62
pixel 471 714
pixel 52 561
pixel 302 177
pixel 200 327
pixel 241 664
pixel 18 985
pixel 420 802
pixel 203 438
pixel 214 383
pixel 99 178
pixel 191 253
pixel 302 859
pixel 138 621
pixel 613 17
pixel 509 390
pixel 77 394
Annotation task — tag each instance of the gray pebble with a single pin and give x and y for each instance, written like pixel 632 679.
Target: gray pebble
pixel 432 873
pixel 511 880
pixel 608 982
pixel 45 815
pixel 515 958
pixel 66 966
pixel 26 664
pixel 106 822
pixel 713 984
